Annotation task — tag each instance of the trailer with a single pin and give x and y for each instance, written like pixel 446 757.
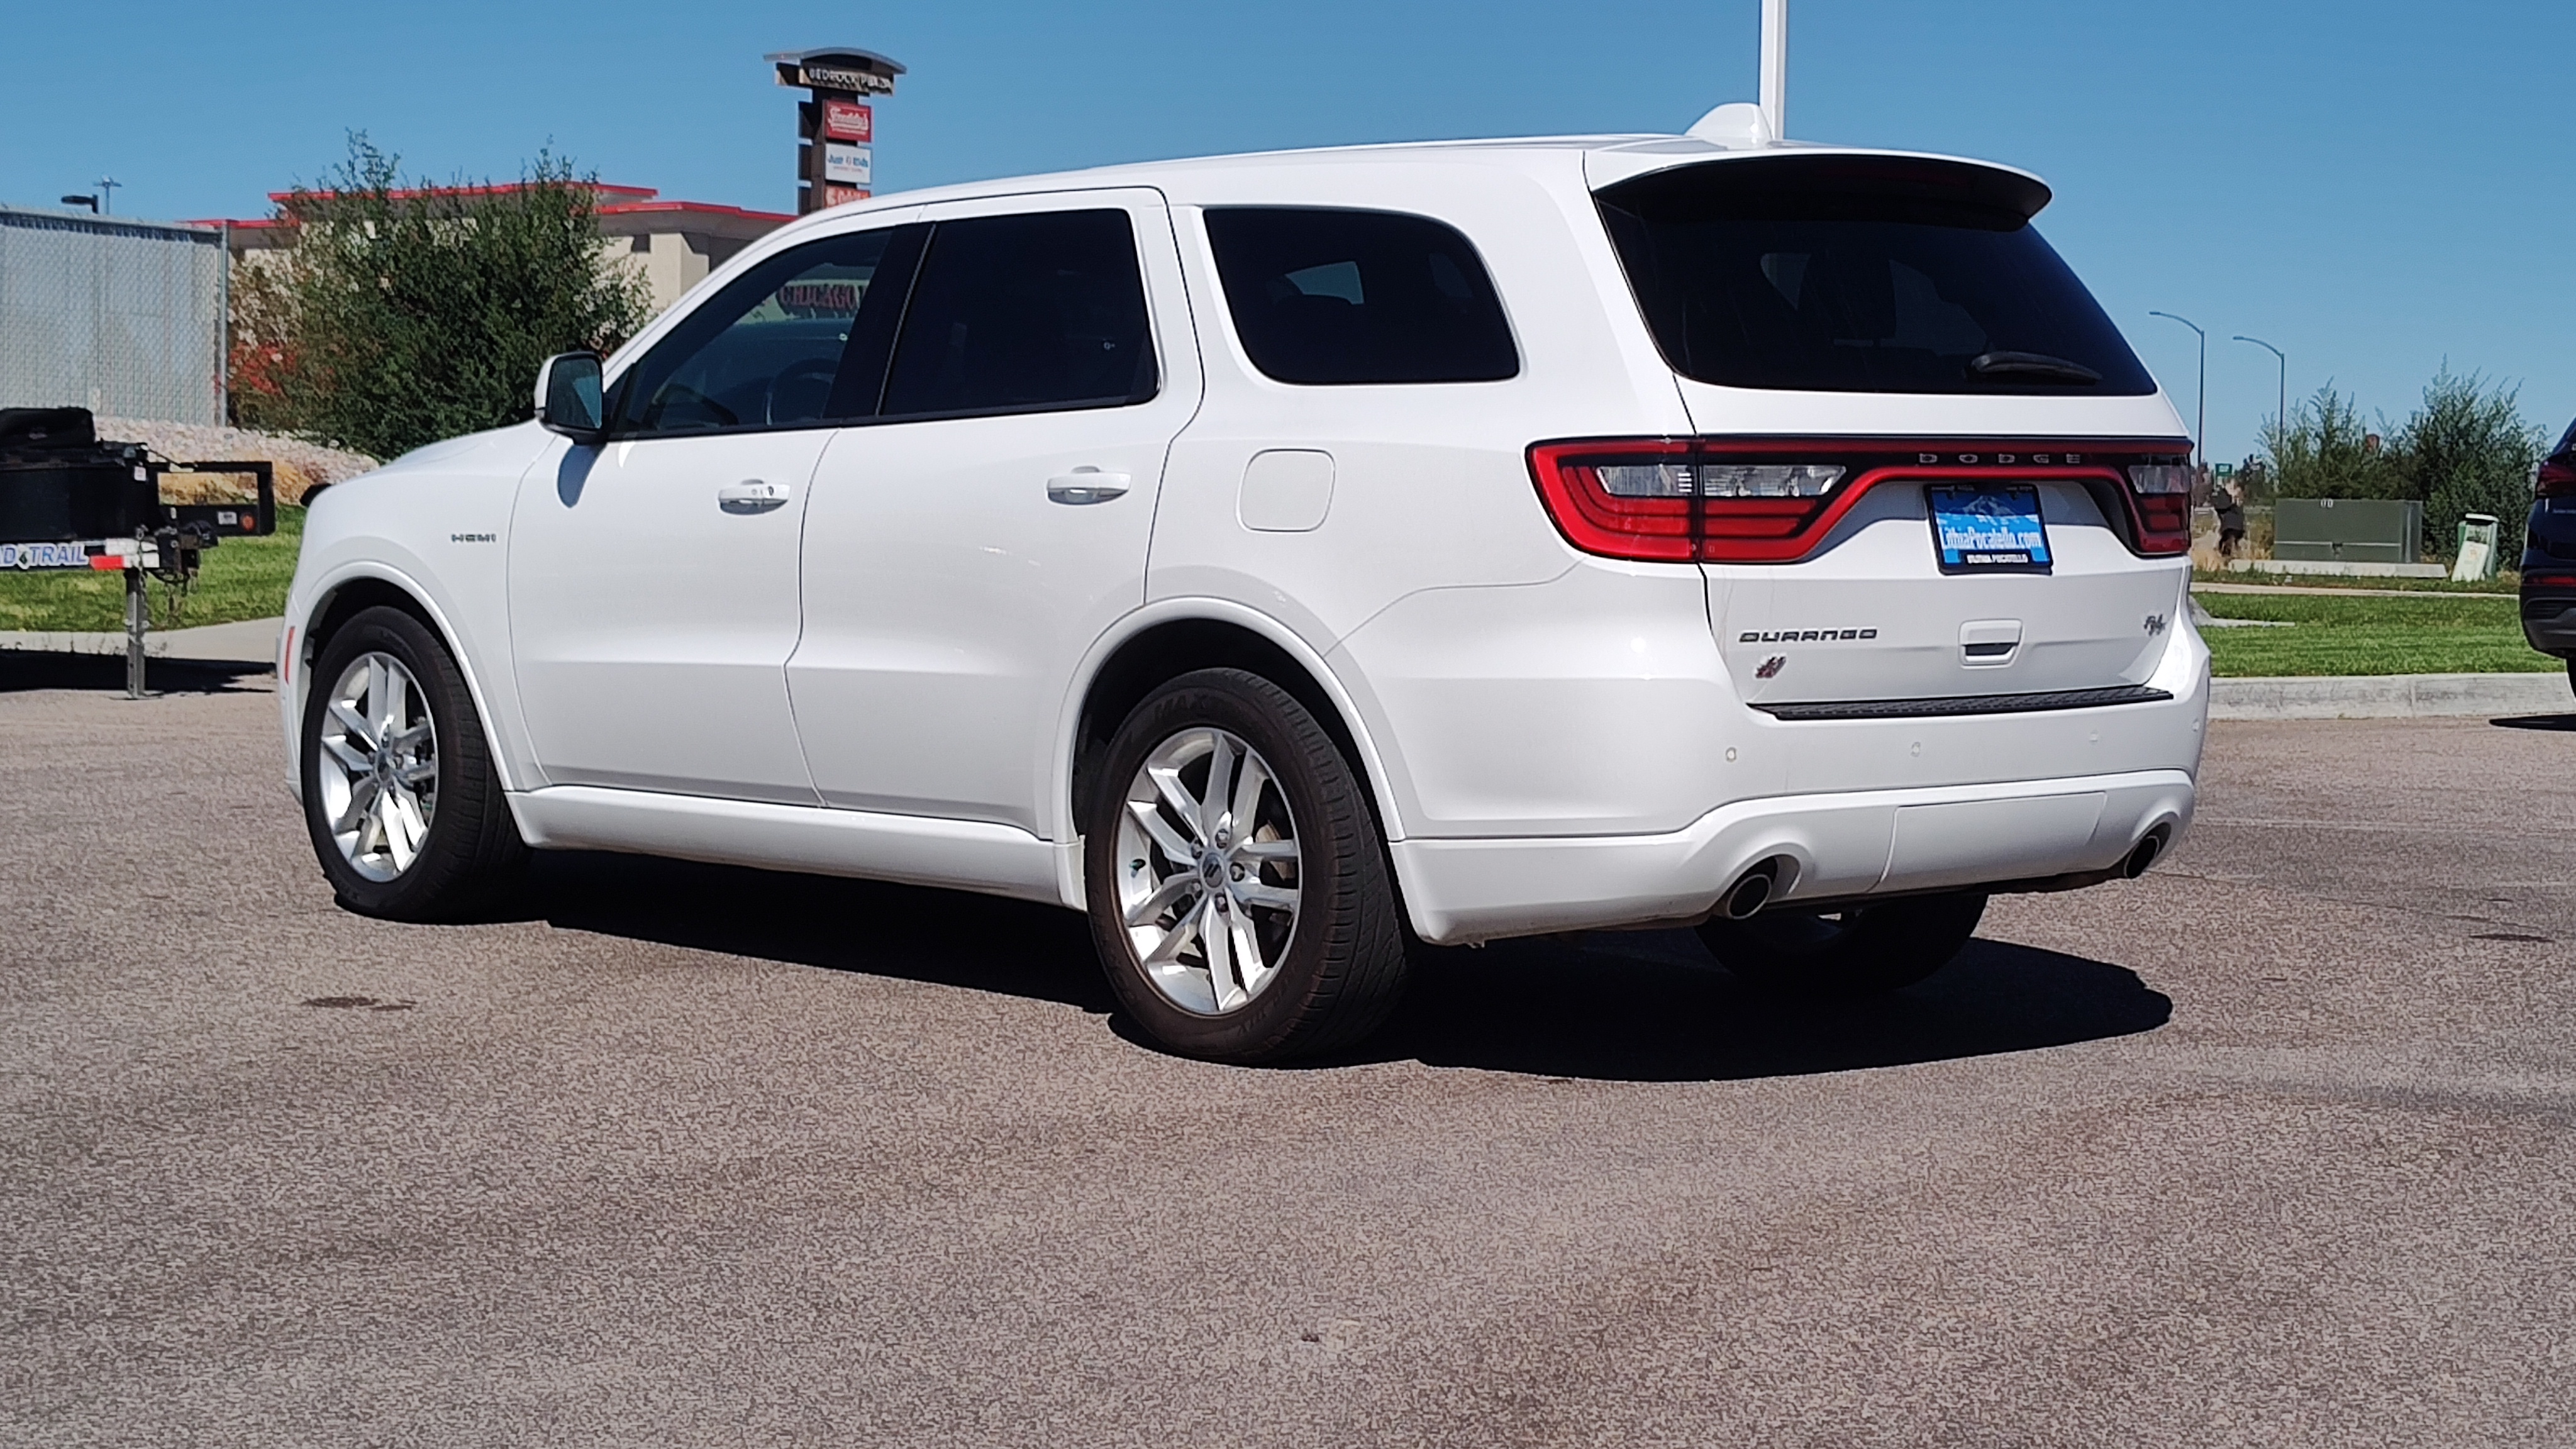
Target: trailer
pixel 72 502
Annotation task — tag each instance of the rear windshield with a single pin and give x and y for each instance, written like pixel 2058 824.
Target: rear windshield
pixel 1859 274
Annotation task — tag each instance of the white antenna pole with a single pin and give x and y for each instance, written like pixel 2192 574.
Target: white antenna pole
pixel 1775 67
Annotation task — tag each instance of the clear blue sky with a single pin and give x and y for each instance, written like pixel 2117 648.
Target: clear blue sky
pixel 2373 186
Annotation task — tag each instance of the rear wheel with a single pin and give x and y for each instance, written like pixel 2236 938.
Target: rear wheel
pixel 1852 952
pixel 1238 893
pixel 400 794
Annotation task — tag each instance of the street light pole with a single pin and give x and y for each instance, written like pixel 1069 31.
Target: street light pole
pixel 107 193
pixel 2281 419
pixel 2199 450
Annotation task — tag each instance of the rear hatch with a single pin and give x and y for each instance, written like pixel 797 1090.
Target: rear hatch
pixel 1927 466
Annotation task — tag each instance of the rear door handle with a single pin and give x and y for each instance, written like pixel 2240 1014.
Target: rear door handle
pixel 1085 485
pixel 751 496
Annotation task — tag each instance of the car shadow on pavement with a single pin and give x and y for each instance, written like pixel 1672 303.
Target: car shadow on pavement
pixel 1623 1006
pixel 948 938
pixel 26 669
pixel 1654 1007
pixel 2562 722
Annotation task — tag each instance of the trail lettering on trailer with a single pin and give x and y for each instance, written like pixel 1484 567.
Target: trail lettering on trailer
pixel 43 556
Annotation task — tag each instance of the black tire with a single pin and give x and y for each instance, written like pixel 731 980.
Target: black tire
pixel 471 855
pixel 1857 952
pixel 1342 970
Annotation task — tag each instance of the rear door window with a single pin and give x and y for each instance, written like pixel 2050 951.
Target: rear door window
pixel 1326 297
pixel 767 351
pixel 1861 274
pixel 1024 313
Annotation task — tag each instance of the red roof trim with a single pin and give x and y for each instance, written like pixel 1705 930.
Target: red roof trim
pixel 408 193
pixel 697 208
pixel 641 204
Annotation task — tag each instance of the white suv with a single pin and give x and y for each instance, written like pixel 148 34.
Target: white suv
pixel 1280 556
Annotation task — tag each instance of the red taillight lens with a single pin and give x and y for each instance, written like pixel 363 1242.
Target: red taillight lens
pixel 1749 500
pixel 2162 492
pixel 2557 477
pixel 1666 501
pixel 1620 500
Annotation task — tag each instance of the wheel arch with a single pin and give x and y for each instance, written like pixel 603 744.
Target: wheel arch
pixel 1174 637
pixel 341 598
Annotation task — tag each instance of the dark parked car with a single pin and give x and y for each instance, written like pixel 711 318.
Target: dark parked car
pixel 2549 557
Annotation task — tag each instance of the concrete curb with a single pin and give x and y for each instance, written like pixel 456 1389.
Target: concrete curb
pixel 249 641
pixel 2390 696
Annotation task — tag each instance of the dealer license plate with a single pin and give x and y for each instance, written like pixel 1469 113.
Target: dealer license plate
pixel 1976 528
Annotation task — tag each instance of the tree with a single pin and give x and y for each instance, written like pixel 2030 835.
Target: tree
pixel 398 317
pixel 2467 450
pixel 2326 452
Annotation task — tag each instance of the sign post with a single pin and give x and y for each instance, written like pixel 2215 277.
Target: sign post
pixel 836 128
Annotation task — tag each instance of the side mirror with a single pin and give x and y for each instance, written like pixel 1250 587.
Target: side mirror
pixel 568 396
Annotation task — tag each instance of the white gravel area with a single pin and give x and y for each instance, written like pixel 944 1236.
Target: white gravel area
pixel 301 466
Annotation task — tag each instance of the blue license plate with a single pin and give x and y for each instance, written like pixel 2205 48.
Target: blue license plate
pixel 1981 527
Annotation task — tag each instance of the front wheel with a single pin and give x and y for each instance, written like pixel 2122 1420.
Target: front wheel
pixel 1238 893
pixel 401 796
pixel 1853 952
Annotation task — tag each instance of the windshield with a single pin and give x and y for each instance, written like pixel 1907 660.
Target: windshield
pixel 1861 274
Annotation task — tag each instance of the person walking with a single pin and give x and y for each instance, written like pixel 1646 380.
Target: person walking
pixel 2230 503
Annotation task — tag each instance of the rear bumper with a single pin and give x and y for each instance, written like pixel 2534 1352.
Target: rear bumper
pixel 1837 846
pixel 2550 625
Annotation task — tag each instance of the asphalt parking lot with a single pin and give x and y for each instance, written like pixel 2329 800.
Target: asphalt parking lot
pixel 2271 1147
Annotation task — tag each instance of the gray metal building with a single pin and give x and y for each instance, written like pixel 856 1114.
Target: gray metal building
pixel 123 317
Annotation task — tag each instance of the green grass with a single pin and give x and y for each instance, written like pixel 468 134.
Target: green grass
pixel 2503 583
pixel 243 578
pixel 2369 635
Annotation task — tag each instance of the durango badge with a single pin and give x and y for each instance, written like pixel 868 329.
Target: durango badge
pixel 1802 636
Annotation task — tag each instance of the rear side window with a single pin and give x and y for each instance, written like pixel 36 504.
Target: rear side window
pixel 1324 297
pixel 1022 313
pixel 765 352
pixel 1861 274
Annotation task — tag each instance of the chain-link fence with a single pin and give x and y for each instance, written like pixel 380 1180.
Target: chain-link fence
pixel 125 318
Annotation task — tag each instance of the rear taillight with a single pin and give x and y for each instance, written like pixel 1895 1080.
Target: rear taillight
pixel 2163 495
pixel 1670 500
pixel 1730 500
pixel 2557 478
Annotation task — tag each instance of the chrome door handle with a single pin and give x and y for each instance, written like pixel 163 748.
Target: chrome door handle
pixel 1085 485
pixel 751 496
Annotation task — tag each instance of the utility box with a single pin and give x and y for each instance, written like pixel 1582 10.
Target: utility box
pixel 2348 530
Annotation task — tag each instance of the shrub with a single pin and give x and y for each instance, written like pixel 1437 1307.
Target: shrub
pixel 400 316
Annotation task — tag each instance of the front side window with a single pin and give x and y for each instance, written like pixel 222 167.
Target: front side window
pixel 1024 313
pixel 1861 274
pixel 765 352
pixel 1337 297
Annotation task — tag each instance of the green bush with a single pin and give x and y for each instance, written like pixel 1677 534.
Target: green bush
pixel 2466 449
pixel 400 316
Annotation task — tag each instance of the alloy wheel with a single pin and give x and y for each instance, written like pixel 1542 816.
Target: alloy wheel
pixel 1208 878
pixel 377 768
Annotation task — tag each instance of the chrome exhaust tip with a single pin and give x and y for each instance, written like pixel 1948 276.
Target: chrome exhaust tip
pixel 2143 854
pixel 1747 896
